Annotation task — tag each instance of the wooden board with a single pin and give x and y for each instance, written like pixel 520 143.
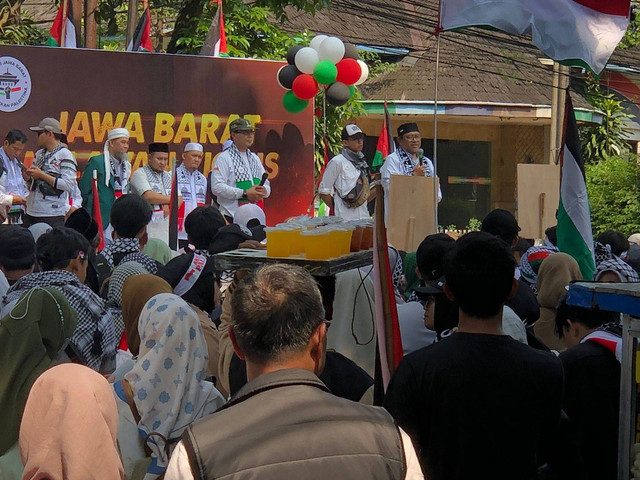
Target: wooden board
pixel 411 211
pixel 250 258
pixel 538 196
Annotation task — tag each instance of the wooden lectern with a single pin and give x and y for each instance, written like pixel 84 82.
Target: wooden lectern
pixel 538 197
pixel 411 211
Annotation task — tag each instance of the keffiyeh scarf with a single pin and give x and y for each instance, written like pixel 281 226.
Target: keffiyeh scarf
pixel 120 245
pixel 145 260
pixel 531 261
pixel 168 378
pixel 94 337
pixel 162 180
pixel 114 297
pixel 609 336
pixel 624 271
pixel 602 252
pixel 245 166
pixel 407 163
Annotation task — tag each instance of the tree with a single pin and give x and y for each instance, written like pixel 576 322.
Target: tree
pixel 614 195
pixel 600 142
pixel 17 28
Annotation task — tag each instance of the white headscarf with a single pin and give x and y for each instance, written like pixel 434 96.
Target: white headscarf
pixel 168 378
pixel 113 134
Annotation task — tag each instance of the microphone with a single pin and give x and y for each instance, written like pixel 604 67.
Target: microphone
pixel 265 175
pixel 420 155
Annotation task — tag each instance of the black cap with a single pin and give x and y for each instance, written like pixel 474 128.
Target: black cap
pixel 81 222
pixel 502 224
pixel 431 288
pixel 17 245
pixel 158 147
pixel 407 128
pixel 430 254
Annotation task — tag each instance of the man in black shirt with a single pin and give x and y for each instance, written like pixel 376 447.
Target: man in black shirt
pixel 588 443
pixel 478 404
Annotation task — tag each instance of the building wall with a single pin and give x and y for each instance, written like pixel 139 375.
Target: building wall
pixel 510 144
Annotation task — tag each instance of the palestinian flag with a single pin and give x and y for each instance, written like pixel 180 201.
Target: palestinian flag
pixel 63 33
pixel 385 141
pixel 141 41
pixel 96 213
pixel 215 44
pixel 574 216
pixel 574 32
pixel 174 210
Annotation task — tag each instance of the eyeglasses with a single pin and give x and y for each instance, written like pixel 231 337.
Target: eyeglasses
pixel 411 138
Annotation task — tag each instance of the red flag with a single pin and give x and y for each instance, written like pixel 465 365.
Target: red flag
pixel 141 41
pixel 215 44
pixel 385 144
pixel 96 214
pixel 63 33
pixel 174 211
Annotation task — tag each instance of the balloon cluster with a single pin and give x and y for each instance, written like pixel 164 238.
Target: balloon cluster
pixel 326 61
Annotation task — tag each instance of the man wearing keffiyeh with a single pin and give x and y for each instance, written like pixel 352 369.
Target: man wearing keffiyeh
pixel 237 173
pixel 62 258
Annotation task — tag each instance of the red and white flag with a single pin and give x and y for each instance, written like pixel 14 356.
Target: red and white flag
pixel 141 41
pixel 63 33
pixel 96 213
pixel 583 32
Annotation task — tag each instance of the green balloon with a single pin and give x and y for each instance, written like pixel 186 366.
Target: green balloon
pixel 352 89
pixel 293 104
pixel 325 72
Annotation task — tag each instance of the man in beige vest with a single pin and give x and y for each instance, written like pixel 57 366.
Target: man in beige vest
pixel 285 423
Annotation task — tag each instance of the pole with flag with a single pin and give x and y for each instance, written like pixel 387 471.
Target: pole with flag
pixel 141 41
pixel 574 232
pixel 215 44
pixel 385 144
pixel 63 33
pixel 96 213
pixel 173 209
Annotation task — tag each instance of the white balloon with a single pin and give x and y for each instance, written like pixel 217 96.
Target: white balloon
pixel 306 60
pixel 316 41
pixel 331 49
pixel 365 72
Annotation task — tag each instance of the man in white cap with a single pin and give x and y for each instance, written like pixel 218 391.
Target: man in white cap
pixel 236 177
pixel 113 170
pixel 193 186
pixel 52 176
pixel 345 182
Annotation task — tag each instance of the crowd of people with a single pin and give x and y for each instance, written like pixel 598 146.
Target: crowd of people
pixel 135 361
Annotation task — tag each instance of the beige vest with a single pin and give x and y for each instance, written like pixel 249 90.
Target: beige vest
pixel 287 425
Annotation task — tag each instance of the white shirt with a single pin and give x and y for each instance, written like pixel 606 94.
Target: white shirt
pixel 340 177
pixel 412 330
pixel 63 164
pixel 193 186
pixel 180 469
pixel 11 181
pixel 223 181
pixel 513 326
pixel 158 183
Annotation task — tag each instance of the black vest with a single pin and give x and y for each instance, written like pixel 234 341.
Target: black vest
pixel 286 425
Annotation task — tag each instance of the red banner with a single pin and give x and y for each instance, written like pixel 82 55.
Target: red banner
pixel 161 98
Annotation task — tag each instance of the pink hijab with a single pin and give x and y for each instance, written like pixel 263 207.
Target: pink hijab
pixel 69 427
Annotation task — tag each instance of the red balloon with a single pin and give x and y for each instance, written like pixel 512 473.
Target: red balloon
pixel 349 71
pixel 305 86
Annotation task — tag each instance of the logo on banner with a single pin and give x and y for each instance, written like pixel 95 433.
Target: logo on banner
pixel 15 84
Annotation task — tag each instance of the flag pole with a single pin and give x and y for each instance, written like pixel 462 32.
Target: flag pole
pixel 65 12
pixel 435 124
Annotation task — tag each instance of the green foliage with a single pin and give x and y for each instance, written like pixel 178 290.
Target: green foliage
pixel 614 195
pixel 632 35
pixel 473 225
pixel 600 142
pixel 17 28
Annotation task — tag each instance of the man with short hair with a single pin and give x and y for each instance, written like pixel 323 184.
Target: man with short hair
pixel 285 412
pixel 62 259
pixel 406 160
pixel 192 185
pixel 113 171
pixel 345 182
pixel 13 189
pixel 53 177
pixel 17 253
pixel 589 439
pixel 153 183
pixel 478 404
pixel 238 172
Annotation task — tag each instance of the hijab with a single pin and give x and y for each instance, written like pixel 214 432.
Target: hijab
pixel 556 272
pixel 158 250
pixel 136 292
pixel 114 294
pixel 69 427
pixel 31 336
pixel 168 378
